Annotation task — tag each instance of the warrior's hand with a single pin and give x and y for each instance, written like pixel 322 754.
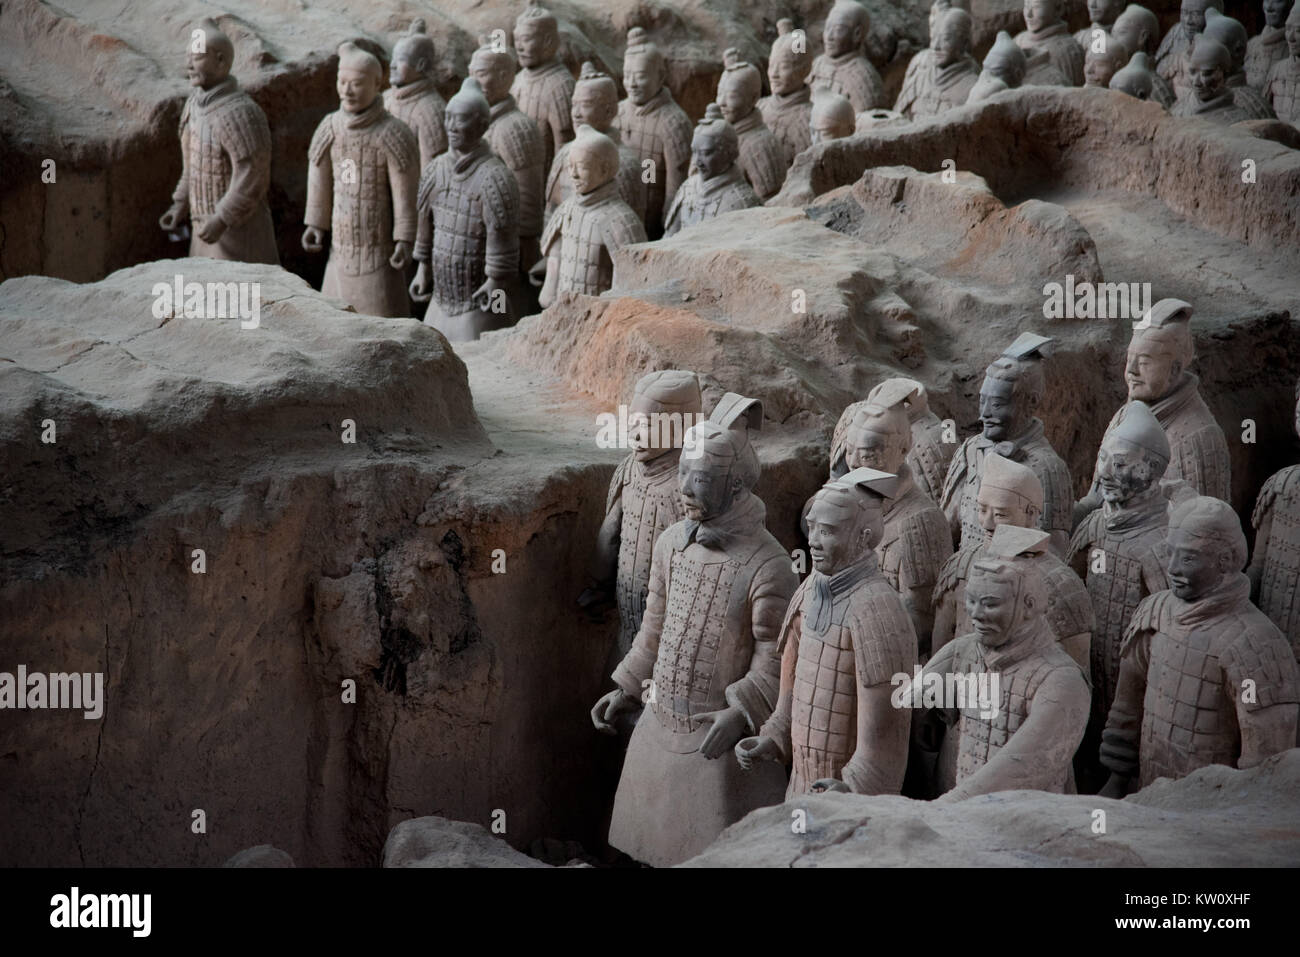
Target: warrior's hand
pixel 171 219
pixel 401 255
pixel 757 748
pixel 486 296
pixel 212 229
pixel 1116 787
pixel 823 785
pixel 728 727
pixel 537 274
pixel 610 707
pixel 313 239
pixel 422 285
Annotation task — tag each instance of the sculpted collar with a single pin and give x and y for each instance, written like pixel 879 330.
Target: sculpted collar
pixel 1272 36
pixel 663 97
pixel 826 588
pixel 1225 598
pixel 799 96
pixel 727 177
pixel 371 115
pixel 598 195
pixel 1054 30
pixel 502 107
pixel 742 520
pixel 844 58
pixel 204 98
pixel 414 90
pixel 658 466
pixel 466 163
pixel 552 65
pixel 1151 510
pixel 1016 651
pixel 750 121
pixel 904 489
pixel 1222 101
pixel 1012 448
pixel 953 73
pixel 1181 395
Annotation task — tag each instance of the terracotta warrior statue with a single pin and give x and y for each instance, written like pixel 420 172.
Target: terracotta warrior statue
pixel 595 104
pixel 1011 494
pixel 705 660
pixel 1121 549
pixel 1275 567
pixel 225 161
pixel 515 138
pixel 1232 35
pixel 717 186
pixel 915 540
pixel 1102 14
pixel 929 456
pixel 591 225
pixel 654 125
pixel 1282 87
pixel 1004 69
pixel 413 95
pixel 1045 29
pixel 941 77
pixel 1013 387
pixel 1137 29
pixel 643 499
pixel 1024 732
pixel 832 117
pixel 543 88
pixel 362 174
pixel 1104 58
pixel 788 109
pixel 845 636
pixel 1177 43
pixel 842 67
pixel 760 158
pixel 1205 678
pixel 939 8
pixel 1159 355
pixel 467 247
pixel 1270 46
pixel 1136 79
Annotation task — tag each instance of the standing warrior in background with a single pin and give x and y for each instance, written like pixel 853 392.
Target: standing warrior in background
pixel 705 660
pixel 595 104
pixel 844 637
pixel 468 242
pixel 1282 88
pixel 1138 30
pixel 643 498
pixel 1171 57
pixel 516 139
pixel 225 160
pixel 842 67
pixel 717 186
pixel 361 183
pixel 1270 46
pixel 1232 35
pixel 1136 79
pixel 1004 69
pixel 652 123
pixel 941 77
pixel 1205 678
pixel 1158 357
pixel 544 87
pixel 1102 13
pixel 760 157
pixel 930 454
pixel 1045 29
pixel 1102 61
pixel 1275 567
pixel 788 109
pixel 1013 387
pixel 580 240
pixel 413 97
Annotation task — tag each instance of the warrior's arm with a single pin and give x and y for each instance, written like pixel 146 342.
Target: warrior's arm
pixel 755 694
pixel 404 182
pixel 777 727
pixel 639 663
pixel 884 647
pixel 1121 739
pixel 1263 530
pixel 320 193
pixel 181 194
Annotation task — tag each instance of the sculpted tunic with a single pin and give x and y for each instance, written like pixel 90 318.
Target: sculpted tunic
pixel 1066 55
pixel 660 132
pixel 930 456
pixel 928 90
pixel 852 76
pixel 1262 52
pixel 788 116
pixel 913 547
pixel 699 199
pixel 589 230
pixel 718 592
pixel 515 138
pixel 225 173
pixel 761 158
pixel 1282 89
pixel 545 94
pixel 361 186
pixel 1181 702
pixel 420 107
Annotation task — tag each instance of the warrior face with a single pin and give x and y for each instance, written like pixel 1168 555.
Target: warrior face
pixel 1129 32
pixel 593 106
pixel 1040 14
pixel 1124 471
pixel 713 155
pixel 785 73
pixel 587 169
pixel 735 101
pixel 993 608
pixel 494 74
pixel 865 449
pixel 1275 12
pixel 1003 414
pixel 1001 506
pixel 535 41
pixel 833 542
pixel 843 32
pixel 643 78
pixel 1209 76
pixel 1152 367
pixel 208 68
pixel 465 124
pixel 1104 11
pixel 1192 15
pixel 409 64
pixel 707 484
pixel 951 43
pixel 1293 36
pixel 1196 565
pixel 357 89
pixel 1098 68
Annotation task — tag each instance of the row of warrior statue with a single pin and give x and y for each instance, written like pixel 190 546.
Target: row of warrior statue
pixel 1126 640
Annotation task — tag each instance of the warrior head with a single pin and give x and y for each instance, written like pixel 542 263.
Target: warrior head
pixel 413 56
pixel 1137 29
pixel 1103 60
pixel 1133 457
pixel 1010 494
pixel 1161 348
pixel 846 28
pixel 592 159
pixel 718 461
pixel 1275 12
pixel 939 8
pixel 832 117
pixel 359 77
pixel 595 99
pixel 1192 13
pixel 1230 33
pixel 210 56
pixel 790 62
pixel 670 398
pixel 1041 14
pixel 537 35
pixel 467 117
pixel 1293 31
pixel 1013 387
pixel 644 68
pixel 1206 544
pixel 492 66
pixel 846 518
pixel 1006 61
pixel 953 39
pixel 1104 12
pixel 1005 591
pixel 908 393
pixel 739 87
pixel 878 437
pixel 714 147
pixel 1136 79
